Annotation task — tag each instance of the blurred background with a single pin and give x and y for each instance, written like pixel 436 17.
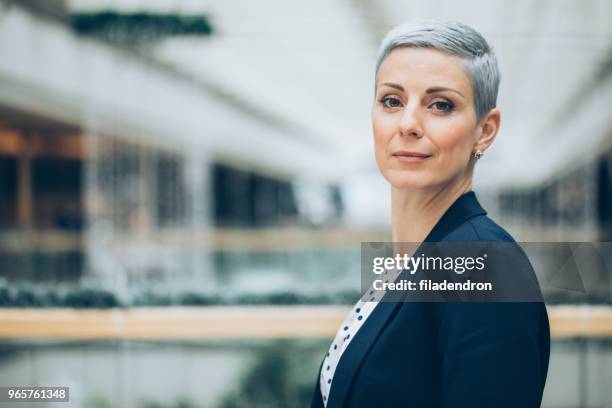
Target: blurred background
pixel 184 187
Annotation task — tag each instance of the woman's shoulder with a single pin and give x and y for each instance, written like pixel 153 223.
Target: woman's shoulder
pixel 479 228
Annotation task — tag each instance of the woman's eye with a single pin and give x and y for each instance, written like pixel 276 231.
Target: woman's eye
pixel 391 102
pixel 443 106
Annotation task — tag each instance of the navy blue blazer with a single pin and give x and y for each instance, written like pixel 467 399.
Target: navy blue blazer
pixel 447 354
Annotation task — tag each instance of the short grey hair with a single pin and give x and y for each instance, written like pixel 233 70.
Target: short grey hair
pixel 456 39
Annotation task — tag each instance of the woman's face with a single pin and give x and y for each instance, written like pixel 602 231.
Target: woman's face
pixel 424 106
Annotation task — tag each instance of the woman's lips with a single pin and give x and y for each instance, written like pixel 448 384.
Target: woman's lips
pixel 410 157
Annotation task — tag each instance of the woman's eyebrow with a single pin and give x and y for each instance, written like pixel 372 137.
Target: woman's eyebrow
pixel 441 89
pixel 429 91
pixel 393 85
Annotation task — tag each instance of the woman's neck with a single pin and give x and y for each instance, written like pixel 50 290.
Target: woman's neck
pixel 416 211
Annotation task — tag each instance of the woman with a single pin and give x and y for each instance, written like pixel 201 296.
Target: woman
pixel 433 117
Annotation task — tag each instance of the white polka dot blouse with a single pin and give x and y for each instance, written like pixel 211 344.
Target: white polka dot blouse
pixel 353 322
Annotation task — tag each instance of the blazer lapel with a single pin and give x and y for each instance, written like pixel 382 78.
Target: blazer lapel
pixel 466 206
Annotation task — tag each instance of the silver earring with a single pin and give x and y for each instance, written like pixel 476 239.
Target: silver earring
pixel 478 154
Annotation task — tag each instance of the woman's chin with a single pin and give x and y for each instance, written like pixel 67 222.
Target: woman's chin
pixel 401 180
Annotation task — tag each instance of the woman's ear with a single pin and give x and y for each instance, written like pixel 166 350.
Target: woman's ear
pixel 489 125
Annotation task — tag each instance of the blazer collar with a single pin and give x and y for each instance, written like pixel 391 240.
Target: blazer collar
pixel 465 207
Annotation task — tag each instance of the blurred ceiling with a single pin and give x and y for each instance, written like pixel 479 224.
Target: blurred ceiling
pixel 311 63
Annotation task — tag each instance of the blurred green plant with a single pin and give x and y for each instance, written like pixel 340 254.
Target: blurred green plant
pixel 35 297
pixel 280 377
pixel 77 298
pixel 138 28
pixel 181 403
pixel 96 401
pixel 101 402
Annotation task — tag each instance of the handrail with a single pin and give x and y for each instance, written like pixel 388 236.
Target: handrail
pixel 214 322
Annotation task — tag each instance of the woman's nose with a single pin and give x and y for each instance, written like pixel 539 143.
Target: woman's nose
pixel 410 122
